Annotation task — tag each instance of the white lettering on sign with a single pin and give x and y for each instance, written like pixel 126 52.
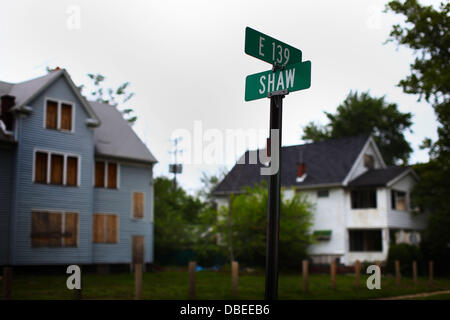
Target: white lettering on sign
pixel 263 85
pixel 284 81
pixel 261 45
pixel 270 81
pixel 290 74
pixel 280 82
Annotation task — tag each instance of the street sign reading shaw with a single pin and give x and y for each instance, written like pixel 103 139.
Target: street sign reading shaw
pixel 269 49
pixel 292 78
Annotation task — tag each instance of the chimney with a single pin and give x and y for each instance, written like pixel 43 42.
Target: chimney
pixel 6 103
pixel 301 169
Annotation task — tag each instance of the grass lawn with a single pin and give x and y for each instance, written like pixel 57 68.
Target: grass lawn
pixel 215 285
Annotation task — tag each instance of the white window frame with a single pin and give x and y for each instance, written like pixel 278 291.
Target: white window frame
pixel 132 206
pixel 49 156
pixel 58 116
pixel 105 230
pixel 63 226
pixel 105 174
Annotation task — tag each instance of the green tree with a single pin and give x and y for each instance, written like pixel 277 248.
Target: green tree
pixel 427 33
pixel 363 114
pixel 177 215
pixel 118 97
pixel 249 222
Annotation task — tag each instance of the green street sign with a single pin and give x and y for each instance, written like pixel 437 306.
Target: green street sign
pixel 270 50
pixel 292 78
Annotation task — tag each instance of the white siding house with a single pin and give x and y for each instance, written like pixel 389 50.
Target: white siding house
pixel 361 206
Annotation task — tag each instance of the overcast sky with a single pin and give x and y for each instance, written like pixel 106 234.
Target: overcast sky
pixel 186 62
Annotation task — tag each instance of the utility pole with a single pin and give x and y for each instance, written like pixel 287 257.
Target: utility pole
pixel 175 168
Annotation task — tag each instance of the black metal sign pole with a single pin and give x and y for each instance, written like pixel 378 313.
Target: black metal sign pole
pixel 273 216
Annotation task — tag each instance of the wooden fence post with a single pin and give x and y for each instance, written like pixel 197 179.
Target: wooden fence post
pixel 414 269
pixel 397 272
pixel 192 267
pixel 305 275
pixel 138 281
pixel 333 274
pixel 7 283
pixel 357 273
pixel 430 273
pixel 234 277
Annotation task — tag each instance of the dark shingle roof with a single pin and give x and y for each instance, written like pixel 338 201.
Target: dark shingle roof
pixel 327 162
pixel 377 177
pixel 115 137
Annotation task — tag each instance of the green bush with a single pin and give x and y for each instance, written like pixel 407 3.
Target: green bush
pixel 405 254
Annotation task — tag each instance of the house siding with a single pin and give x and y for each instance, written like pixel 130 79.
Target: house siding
pixel 6 187
pixel 31 136
pixel 119 201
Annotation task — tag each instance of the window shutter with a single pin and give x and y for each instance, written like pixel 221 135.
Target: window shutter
pixel 66 117
pixel 138 205
pixel 99 228
pixel 71 229
pixel 112 175
pixel 55 229
pixel 72 171
pixel 99 174
pixel 39 229
pixel 112 228
pixel 52 115
pixel 56 171
pixel 40 167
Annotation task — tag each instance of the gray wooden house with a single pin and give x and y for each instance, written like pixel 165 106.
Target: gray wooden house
pixel 75 180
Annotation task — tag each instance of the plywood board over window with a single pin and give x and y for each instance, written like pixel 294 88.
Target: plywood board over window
pixel 106 228
pixel 57 167
pixel 54 229
pixel 66 117
pixel 71 229
pixel 72 171
pixel 40 168
pixel 138 205
pixel 99 174
pixel 112 175
pixel 51 117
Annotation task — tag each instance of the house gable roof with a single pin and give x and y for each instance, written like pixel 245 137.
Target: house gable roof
pixel 327 163
pixel 26 91
pixel 378 177
pixel 115 137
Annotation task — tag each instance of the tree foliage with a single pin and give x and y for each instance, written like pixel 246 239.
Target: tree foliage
pixel 118 96
pixel 249 221
pixel 363 114
pixel 426 32
pixel 176 216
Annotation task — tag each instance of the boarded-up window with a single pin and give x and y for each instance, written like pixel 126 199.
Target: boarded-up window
pixel 112 227
pixel 112 175
pixel 99 174
pixel 106 228
pixel 51 117
pixel 72 171
pixel 47 229
pixel 56 171
pixel 398 200
pixel 138 205
pixel 66 117
pixel 71 229
pixel 40 167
